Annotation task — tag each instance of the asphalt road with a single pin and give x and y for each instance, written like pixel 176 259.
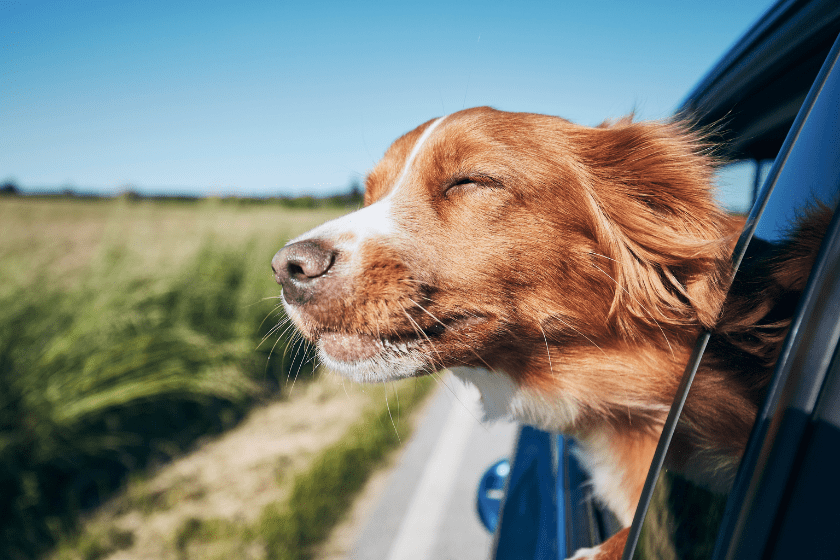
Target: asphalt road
pixel 427 511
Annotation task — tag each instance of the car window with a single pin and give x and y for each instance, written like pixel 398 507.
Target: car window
pixel 686 505
pixel 737 184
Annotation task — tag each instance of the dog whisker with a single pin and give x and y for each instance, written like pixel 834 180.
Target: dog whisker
pixel 600 255
pixel 397 395
pixel 477 355
pixel 423 332
pixel 288 326
pixel 273 346
pixel 577 331
pixel 285 322
pixel 280 296
pixel 299 343
pixel 426 311
pixel 419 331
pixel 467 313
pixel 305 347
pixel 388 406
pixel 269 314
pixel 547 351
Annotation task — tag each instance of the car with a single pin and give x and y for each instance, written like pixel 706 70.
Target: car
pixel 776 96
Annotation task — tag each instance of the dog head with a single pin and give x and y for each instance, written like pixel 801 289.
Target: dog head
pixel 503 240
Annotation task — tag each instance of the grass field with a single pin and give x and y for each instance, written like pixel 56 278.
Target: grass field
pixel 129 330
pixel 42 238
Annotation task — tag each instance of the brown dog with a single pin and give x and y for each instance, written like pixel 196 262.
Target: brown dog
pixel 564 270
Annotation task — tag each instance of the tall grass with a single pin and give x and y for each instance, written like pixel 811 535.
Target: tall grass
pixel 127 352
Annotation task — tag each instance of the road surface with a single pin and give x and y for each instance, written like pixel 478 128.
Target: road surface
pixel 427 510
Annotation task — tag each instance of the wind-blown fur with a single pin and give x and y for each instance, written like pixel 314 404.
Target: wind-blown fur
pixel 566 270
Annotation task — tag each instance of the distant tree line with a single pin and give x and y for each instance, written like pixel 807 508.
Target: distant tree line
pixel 353 197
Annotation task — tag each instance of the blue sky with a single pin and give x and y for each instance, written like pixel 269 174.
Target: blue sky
pixel 290 98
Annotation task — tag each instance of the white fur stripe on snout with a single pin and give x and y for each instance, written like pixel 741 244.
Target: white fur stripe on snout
pixel 374 220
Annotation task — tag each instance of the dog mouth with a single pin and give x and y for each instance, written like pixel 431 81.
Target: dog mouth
pixel 353 347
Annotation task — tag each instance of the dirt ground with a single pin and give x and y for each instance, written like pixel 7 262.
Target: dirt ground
pixel 233 477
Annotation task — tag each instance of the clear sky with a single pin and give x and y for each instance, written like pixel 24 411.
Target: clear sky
pixel 237 97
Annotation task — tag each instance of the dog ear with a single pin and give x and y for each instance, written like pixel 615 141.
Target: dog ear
pixel 666 244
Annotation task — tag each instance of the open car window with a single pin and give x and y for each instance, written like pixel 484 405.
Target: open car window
pixel 685 513
pixel 738 183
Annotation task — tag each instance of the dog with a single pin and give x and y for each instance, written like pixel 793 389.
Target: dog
pixel 564 270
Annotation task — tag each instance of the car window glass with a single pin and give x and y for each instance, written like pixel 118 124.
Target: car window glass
pixel 689 498
pixel 736 184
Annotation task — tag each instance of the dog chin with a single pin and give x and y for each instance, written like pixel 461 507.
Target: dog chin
pixel 376 369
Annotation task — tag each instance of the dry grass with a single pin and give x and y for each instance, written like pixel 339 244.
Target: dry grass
pixel 224 499
pixel 64 240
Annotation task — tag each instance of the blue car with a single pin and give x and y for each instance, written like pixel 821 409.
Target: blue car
pixel 777 93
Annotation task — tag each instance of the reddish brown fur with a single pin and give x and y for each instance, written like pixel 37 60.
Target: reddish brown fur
pixel 745 345
pixel 581 262
pixel 605 237
pixel 613 547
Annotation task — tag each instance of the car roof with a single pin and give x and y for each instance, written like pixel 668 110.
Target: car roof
pixel 753 94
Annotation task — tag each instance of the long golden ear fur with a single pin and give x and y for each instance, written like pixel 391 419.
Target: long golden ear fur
pixel 665 241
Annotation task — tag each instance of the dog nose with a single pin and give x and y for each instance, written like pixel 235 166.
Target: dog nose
pixel 299 268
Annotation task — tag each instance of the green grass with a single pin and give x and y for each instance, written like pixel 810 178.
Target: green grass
pixel 127 331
